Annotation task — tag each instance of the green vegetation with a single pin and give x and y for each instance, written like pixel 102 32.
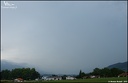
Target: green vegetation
pixel 29 75
pixel 94 80
pixel 105 72
pixel 25 73
pixel 123 79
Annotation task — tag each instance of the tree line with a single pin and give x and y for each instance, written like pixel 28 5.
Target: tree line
pixel 32 74
pixel 105 72
pixel 25 73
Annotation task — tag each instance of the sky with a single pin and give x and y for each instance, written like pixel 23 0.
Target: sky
pixel 62 37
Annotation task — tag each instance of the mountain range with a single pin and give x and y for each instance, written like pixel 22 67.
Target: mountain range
pixel 5 64
pixel 11 65
pixel 122 66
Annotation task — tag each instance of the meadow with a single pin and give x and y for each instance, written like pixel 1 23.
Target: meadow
pixel 94 80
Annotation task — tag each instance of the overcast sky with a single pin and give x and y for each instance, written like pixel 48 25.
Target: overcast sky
pixel 63 37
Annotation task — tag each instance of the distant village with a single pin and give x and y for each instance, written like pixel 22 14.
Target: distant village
pixel 51 78
pixel 25 74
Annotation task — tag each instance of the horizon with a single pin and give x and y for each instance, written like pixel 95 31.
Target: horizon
pixel 64 36
pixel 46 73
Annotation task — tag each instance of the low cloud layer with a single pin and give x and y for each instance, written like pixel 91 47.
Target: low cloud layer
pixel 64 37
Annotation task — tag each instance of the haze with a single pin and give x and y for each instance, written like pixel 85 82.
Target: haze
pixel 62 37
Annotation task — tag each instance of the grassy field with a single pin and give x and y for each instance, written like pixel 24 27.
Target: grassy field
pixel 107 80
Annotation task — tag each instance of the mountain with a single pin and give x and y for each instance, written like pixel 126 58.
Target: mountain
pixel 5 64
pixel 122 66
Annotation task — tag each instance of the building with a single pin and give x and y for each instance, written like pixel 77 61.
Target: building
pixel 70 78
pixel 52 78
pixel 123 74
pixel 18 80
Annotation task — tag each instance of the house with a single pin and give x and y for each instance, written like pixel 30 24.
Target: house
pixel 123 74
pixel 70 78
pixel 92 76
pixel 52 78
pixel 57 78
pixel 37 79
pixel 97 76
pixel 47 78
pixel 44 77
pixel 18 80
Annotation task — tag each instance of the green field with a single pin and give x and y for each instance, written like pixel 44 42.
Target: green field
pixel 107 80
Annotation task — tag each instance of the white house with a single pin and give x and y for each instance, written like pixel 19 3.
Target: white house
pixel 52 78
pixel 70 78
pixel 93 76
pixel 57 78
pixel 37 79
pixel 44 77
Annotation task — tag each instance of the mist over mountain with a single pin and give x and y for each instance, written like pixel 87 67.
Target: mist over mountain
pixel 122 66
pixel 5 64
